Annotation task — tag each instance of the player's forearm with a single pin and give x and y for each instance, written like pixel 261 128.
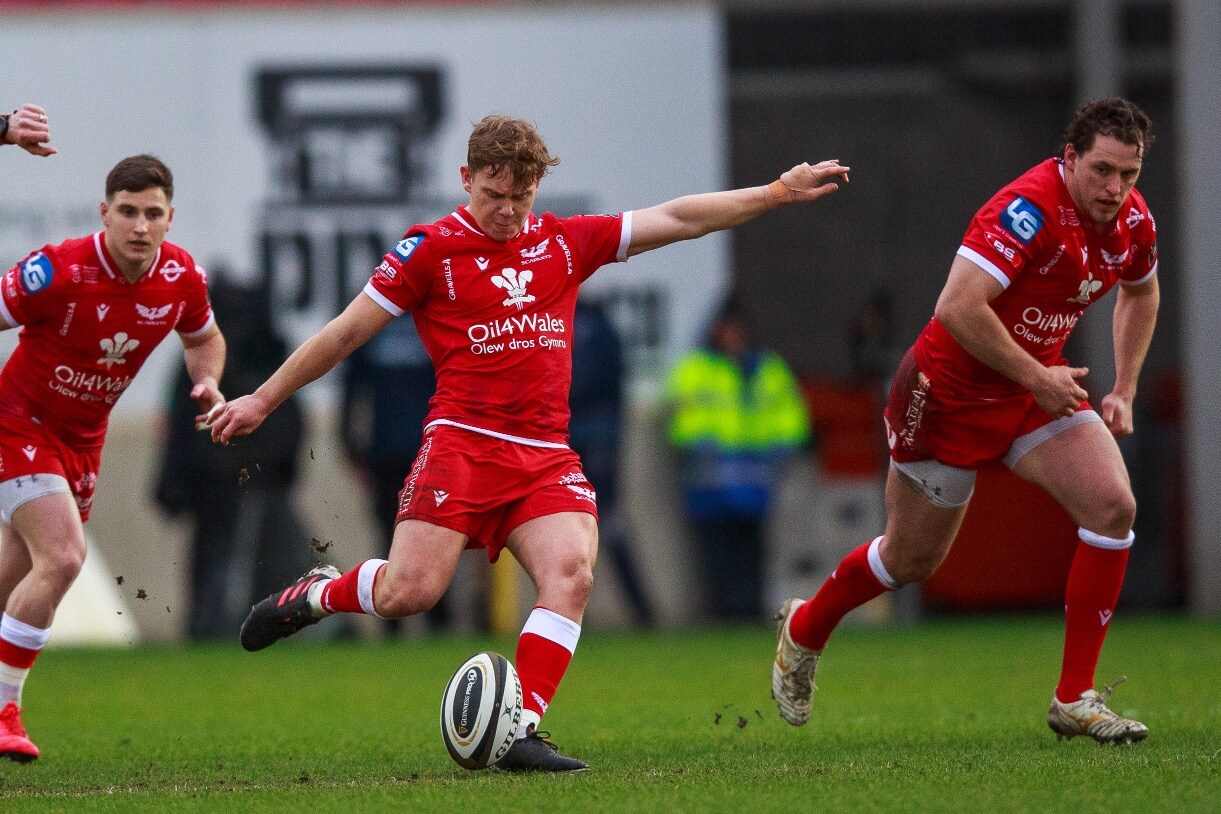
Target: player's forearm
pixel 1135 318
pixel 308 363
pixel 981 333
pixel 703 214
pixel 206 361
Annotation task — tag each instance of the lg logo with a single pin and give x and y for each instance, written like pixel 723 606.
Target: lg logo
pixel 1023 219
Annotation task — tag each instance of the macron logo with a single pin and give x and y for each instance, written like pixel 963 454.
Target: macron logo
pixel 482 262
pixel 102 309
pixel 30 451
pixel 440 496
pixel 1104 617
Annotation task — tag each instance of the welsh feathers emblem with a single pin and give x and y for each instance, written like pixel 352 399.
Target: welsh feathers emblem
pixel 116 348
pixel 515 283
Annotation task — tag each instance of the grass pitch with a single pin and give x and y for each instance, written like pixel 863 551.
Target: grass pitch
pixel 946 717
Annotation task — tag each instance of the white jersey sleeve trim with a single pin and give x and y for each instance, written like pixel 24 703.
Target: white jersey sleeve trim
pixel 382 300
pixel 207 326
pixel 9 320
pixel 1144 279
pixel 625 237
pixel 985 264
pixel 503 436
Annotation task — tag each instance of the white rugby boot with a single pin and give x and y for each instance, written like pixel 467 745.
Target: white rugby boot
pixel 1090 717
pixel 793 670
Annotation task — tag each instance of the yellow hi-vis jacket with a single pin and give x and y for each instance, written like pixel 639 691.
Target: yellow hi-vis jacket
pixel 735 430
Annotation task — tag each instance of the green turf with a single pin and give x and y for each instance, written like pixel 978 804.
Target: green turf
pixel 948 716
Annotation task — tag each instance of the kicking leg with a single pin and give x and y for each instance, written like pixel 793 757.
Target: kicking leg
pixel 422 561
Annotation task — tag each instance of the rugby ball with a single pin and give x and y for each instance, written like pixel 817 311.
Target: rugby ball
pixel 480 710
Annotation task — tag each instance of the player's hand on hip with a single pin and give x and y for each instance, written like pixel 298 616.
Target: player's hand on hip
pixel 238 417
pixel 1117 415
pixel 1060 394
pixel 809 183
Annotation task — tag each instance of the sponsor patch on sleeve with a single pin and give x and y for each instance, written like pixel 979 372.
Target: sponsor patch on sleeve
pixel 1022 219
pixel 36 273
pixel 407 246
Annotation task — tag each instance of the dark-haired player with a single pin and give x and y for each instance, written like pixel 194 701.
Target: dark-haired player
pixel 492 288
pixel 986 380
pixel 91 310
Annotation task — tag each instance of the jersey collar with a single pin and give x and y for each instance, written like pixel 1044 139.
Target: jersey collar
pixel 99 245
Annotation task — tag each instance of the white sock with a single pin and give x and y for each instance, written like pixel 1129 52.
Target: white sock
pixel 27 637
pixel 529 723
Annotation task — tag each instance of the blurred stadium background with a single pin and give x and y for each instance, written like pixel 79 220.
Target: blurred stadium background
pixel 305 136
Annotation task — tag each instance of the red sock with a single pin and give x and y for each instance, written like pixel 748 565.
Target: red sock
pixel 544 650
pixel 851 585
pixel 352 592
pixel 1089 602
pixel 19 658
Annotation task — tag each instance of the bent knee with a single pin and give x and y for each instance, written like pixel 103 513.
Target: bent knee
pixel 910 563
pixel 1112 515
pixel 60 568
pixel 569 584
pixel 401 598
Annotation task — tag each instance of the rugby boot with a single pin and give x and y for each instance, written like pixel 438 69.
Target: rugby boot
pixel 14 743
pixel 536 753
pixel 793 685
pixel 1090 717
pixel 284 613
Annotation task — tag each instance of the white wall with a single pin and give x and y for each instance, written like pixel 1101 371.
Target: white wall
pixel 630 97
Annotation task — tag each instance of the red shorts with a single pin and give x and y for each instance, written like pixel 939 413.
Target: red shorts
pixel 485 487
pixel 924 423
pixel 28 450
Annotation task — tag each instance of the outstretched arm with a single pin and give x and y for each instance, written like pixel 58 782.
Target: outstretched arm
pixel 693 216
pixel 29 130
pixel 359 322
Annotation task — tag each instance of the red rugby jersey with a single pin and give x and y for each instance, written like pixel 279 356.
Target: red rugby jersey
pixel 1032 239
pixel 86 330
pixel 496 317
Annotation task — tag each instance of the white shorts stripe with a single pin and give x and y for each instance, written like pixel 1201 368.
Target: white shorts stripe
pixel 16 492
pixel 553 627
pixel 1030 440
